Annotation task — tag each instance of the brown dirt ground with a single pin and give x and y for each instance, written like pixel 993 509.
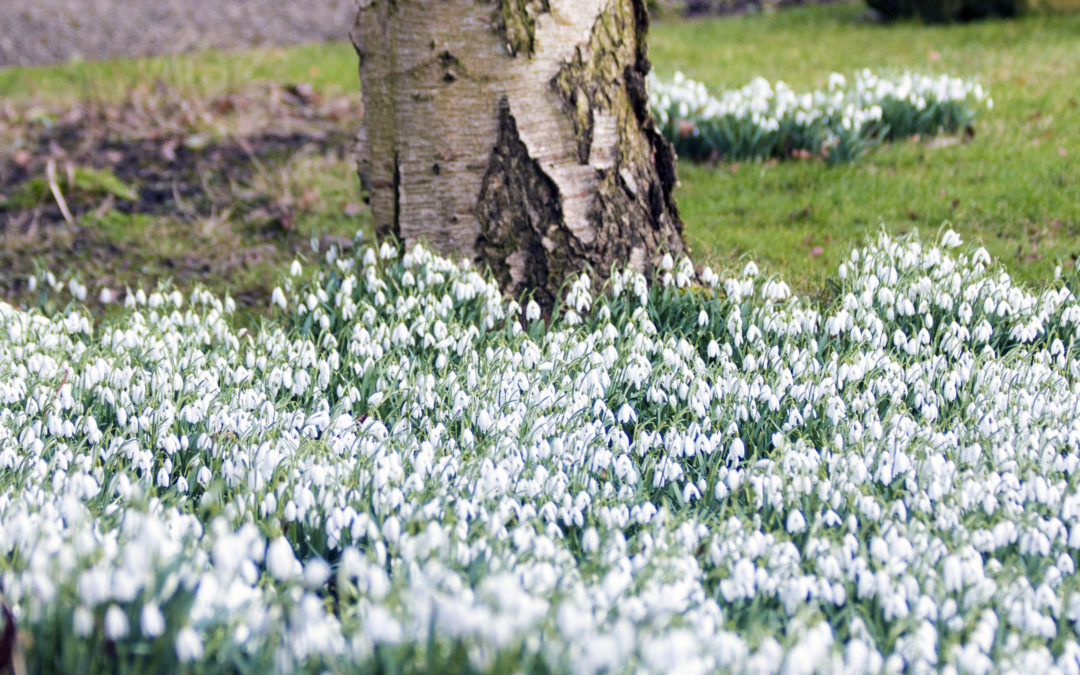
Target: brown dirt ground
pixel 214 197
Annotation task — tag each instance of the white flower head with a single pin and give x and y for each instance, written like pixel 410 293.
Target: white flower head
pixel 189 646
pixel 151 620
pixel 280 560
pixel 116 623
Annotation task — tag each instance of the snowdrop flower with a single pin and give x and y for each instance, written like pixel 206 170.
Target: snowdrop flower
pixel 83 620
pixel 151 621
pixel 532 311
pixel 316 572
pixel 280 560
pixel 796 523
pixel 590 541
pixel 277 298
pixel 951 239
pixel 116 623
pixel 189 646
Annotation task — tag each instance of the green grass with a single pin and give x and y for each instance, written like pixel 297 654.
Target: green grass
pixel 92 182
pixel 328 67
pixel 1015 187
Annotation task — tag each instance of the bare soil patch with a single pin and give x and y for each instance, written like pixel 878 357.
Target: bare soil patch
pixel 206 190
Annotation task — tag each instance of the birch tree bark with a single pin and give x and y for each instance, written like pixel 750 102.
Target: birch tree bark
pixel 516 133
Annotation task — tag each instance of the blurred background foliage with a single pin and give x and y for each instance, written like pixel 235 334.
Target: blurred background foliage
pixel 931 11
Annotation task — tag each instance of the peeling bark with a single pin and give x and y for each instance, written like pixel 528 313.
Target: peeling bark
pixel 516 133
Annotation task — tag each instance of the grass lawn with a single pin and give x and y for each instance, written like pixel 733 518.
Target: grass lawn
pixel 1015 187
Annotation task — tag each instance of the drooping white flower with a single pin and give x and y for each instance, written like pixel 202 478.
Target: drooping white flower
pixel 189 646
pixel 83 621
pixel 116 623
pixel 796 523
pixel 281 562
pixel 532 311
pixel 277 297
pixel 151 620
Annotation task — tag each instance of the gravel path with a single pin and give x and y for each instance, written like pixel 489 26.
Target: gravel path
pixel 49 31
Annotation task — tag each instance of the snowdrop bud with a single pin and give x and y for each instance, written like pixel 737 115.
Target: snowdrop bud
pixel 953 574
pixel 189 646
pixel 83 620
pixel 484 421
pixel 702 318
pixel 116 623
pixel 106 296
pixel 295 269
pixel 152 621
pixel 203 477
pixel 391 529
pixel 590 541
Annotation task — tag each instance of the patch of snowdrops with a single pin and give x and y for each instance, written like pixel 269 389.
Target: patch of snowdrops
pixel 404 470
pixel 764 120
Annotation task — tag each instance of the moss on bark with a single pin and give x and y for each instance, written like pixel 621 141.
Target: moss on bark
pixel 518 23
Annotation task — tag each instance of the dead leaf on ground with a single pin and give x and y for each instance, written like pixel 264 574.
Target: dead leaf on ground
pixel 801 214
pixel 168 150
pixel 308 199
pixel 942 142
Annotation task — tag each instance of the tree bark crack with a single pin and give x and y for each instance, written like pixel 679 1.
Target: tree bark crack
pixel 518 207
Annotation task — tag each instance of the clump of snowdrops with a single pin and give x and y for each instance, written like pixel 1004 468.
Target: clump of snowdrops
pixel 404 471
pixel 764 120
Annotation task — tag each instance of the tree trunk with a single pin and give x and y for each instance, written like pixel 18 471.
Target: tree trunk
pixel 516 133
